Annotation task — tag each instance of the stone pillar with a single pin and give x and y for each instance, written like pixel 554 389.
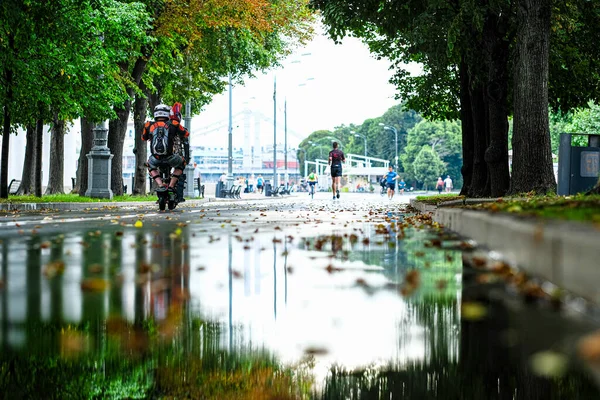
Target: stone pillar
pixel 99 165
pixel 189 178
pixel 189 168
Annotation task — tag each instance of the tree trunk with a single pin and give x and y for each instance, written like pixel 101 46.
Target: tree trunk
pixel 28 173
pixel 57 157
pixel 118 128
pixel 496 155
pixel 479 179
pixel 116 139
pixel 6 135
pixel 466 118
pixel 39 141
pixel 87 141
pixel 532 156
pixel 141 149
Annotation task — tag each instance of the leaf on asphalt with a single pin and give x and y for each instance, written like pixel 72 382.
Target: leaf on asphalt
pixel 473 311
pixel 588 347
pixel 550 364
pixel 316 351
pixel 94 285
pixel 138 224
pixel 95 268
pixel 73 343
pixel 54 268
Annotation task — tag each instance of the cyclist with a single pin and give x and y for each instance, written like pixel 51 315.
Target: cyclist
pixel 168 141
pixel 312 181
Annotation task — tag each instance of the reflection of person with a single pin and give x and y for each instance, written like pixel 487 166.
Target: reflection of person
pixel 439 185
pixel 448 184
pixel 336 158
pixel 390 178
pixel 168 140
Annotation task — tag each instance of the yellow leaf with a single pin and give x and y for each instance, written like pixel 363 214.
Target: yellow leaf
pixel 138 224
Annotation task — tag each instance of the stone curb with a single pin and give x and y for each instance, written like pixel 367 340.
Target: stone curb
pixel 565 253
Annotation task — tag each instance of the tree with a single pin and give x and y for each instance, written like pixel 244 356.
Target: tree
pixel 444 137
pixel 56 59
pixel 196 45
pixel 465 50
pixel 427 167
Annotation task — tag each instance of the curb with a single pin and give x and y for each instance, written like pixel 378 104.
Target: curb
pixel 564 253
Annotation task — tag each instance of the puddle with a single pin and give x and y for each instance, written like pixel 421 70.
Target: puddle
pixel 366 311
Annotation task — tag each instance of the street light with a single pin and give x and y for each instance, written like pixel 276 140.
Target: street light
pixel 365 139
pixel 391 128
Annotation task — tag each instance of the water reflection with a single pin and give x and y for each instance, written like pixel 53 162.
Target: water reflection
pixel 371 311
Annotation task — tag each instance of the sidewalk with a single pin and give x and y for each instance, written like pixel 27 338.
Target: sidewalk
pixel 565 253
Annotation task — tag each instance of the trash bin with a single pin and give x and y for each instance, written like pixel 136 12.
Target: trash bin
pixel 268 188
pixel 218 189
pixel 578 166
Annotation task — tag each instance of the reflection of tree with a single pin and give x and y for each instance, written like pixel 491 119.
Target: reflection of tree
pixel 192 365
pixel 484 369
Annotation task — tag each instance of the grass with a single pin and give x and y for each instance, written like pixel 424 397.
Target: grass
pixel 439 198
pixel 74 198
pixel 578 207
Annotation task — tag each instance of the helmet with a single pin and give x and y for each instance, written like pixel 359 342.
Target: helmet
pixel 176 112
pixel 162 111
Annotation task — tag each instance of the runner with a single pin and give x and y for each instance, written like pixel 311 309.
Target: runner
pixel 336 158
pixel 391 177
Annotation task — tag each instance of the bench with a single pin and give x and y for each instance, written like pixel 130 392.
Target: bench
pixel 229 193
pixel 198 187
pixel 275 192
pixel 14 186
pixel 237 192
pixel 284 190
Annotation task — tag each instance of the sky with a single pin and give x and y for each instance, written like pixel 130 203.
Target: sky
pixel 325 85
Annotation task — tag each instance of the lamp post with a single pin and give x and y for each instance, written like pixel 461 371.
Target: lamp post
pixel 365 139
pixel 285 148
pixel 391 128
pixel 230 139
pixel 274 133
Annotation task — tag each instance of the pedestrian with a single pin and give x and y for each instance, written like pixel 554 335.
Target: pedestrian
pixel 197 179
pixel 448 184
pixel 259 183
pixel 439 185
pixel 390 178
pixel 251 183
pixel 336 158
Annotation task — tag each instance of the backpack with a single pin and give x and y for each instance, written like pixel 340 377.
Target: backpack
pixel 311 176
pixel 160 138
